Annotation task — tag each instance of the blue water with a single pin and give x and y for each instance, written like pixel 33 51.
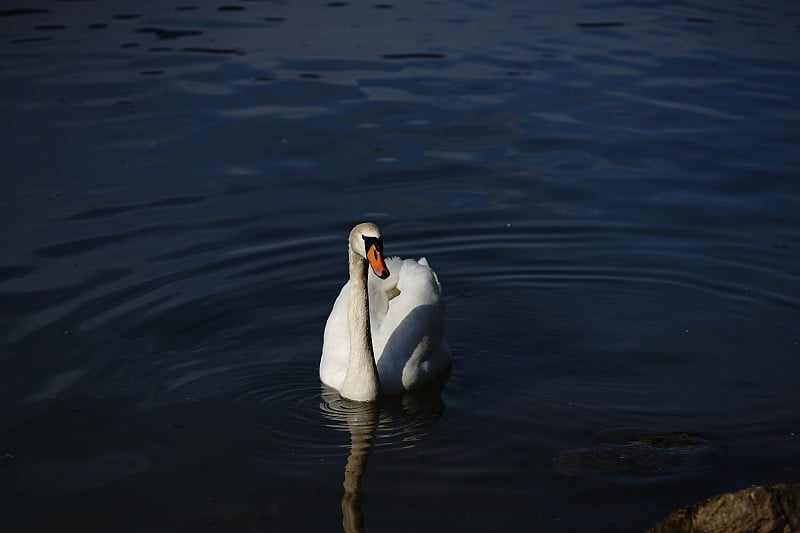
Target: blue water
pixel 608 192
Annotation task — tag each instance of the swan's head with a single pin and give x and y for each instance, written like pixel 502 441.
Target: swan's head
pixel 365 241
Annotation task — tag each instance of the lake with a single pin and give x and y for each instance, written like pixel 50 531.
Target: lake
pixel 608 191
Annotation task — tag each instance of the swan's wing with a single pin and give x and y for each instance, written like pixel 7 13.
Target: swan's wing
pixel 409 344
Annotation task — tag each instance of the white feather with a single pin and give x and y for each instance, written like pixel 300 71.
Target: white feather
pixel 407 326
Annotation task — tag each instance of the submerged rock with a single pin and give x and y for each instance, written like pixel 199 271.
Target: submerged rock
pixel 763 509
pixel 628 455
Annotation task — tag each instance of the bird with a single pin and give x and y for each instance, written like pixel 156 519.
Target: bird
pixel 385 333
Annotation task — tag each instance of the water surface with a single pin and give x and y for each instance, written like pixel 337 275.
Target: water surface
pixel 607 191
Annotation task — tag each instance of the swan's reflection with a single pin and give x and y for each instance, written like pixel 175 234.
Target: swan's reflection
pixel 401 420
pixel 362 424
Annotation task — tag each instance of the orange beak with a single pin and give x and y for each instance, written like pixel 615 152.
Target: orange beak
pixel 375 258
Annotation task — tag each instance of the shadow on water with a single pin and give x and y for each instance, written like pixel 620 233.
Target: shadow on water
pixel 401 419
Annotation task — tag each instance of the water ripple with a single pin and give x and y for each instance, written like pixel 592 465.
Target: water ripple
pixel 607 192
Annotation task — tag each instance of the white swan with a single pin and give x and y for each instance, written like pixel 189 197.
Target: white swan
pixel 385 333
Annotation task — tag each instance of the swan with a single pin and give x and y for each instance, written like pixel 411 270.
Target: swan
pixel 385 333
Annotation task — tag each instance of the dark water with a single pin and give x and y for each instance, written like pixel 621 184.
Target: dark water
pixel 607 190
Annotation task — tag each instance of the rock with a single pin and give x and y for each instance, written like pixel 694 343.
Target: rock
pixel 762 509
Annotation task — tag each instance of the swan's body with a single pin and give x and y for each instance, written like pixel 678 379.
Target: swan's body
pixel 383 336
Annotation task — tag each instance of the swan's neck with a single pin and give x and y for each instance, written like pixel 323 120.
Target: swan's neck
pixel 361 381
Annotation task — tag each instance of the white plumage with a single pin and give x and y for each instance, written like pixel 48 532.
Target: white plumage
pixel 406 318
